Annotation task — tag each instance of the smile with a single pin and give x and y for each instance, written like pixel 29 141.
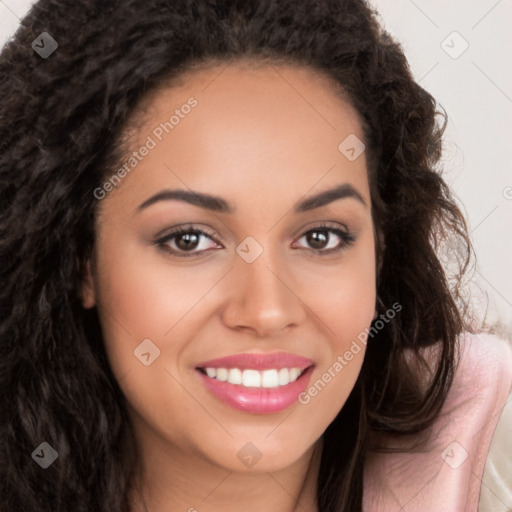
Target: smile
pixel 255 379
pixel 257 383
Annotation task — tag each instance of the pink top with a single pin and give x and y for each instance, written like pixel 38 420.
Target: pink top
pixel 447 475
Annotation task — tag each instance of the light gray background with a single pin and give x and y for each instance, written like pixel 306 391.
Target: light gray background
pixel 475 89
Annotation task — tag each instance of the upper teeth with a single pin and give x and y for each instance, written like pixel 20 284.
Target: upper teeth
pixel 255 378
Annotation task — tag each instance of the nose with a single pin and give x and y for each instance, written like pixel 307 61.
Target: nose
pixel 264 297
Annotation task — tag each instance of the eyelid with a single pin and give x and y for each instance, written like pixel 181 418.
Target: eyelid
pixel 167 232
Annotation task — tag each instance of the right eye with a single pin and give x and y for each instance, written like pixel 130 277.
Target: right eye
pixel 184 240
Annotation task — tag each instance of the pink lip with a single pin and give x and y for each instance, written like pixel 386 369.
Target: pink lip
pixel 250 361
pixel 258 400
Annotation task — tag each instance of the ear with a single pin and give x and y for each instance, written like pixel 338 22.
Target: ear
pixel 87 292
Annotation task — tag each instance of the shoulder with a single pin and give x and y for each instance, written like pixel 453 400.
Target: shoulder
pixel 447 473
pixel 484 351
pixel 483 378
pixel 496 489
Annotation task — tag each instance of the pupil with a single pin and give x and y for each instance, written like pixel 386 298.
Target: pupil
pixel 317 239
pixel 187 240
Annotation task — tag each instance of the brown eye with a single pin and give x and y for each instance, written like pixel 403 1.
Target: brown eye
pixel 185 240
pixel 323 239
pixel 317 239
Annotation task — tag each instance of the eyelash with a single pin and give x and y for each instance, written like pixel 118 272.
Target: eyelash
pixel 347 240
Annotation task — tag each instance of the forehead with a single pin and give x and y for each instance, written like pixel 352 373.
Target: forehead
pixel 251 127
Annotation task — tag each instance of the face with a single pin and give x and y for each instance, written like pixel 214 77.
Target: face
pixel 264 286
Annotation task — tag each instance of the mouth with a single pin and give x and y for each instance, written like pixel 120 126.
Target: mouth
pixel 257 383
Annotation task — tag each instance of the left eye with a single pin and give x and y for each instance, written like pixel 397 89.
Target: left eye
pixel 188 240
pixel 321 235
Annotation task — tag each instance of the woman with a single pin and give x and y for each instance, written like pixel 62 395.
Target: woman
pixel 222 288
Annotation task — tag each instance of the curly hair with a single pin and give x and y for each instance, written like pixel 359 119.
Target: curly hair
pixel 61 123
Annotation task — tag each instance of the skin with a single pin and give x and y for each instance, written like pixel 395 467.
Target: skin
pixel 262 137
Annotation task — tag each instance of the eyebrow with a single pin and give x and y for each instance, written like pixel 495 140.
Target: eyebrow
pixel 220 205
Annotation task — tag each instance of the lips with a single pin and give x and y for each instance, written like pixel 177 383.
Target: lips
pixel 259 361
pixel 257 383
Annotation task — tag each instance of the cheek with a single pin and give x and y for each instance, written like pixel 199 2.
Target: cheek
pixel 146 313
pixel 344 295
pixel 345 301
pixel 336 373
pixel 142 296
